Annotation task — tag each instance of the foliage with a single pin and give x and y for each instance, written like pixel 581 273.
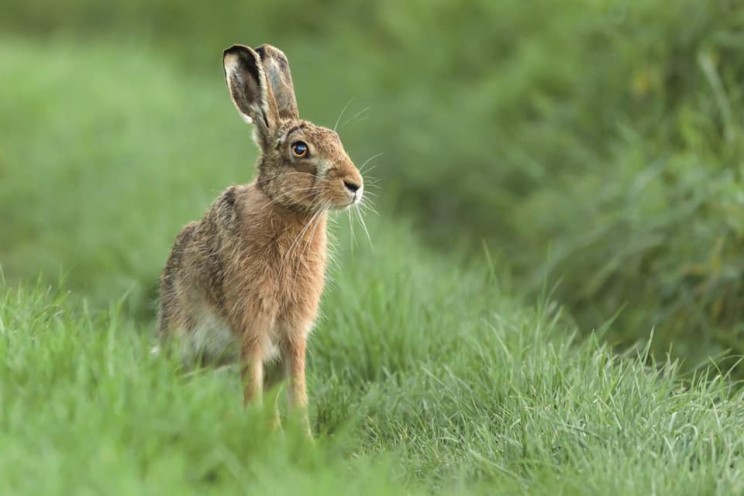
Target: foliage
pixel 598 143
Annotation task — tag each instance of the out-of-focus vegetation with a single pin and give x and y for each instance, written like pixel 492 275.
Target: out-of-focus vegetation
pixel 598 143
pixel 594 147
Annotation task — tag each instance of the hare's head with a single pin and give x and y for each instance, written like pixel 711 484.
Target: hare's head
pixel 302 165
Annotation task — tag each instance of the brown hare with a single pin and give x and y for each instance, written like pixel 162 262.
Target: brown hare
pixel 244 282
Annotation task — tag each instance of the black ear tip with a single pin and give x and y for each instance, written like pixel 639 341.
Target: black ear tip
pixel 267 50
pixel 242 52
pixel 231 50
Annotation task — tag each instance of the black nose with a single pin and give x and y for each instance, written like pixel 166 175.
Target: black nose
pixel 353 187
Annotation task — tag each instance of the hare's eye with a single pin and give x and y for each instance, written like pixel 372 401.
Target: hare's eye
pixel 299 149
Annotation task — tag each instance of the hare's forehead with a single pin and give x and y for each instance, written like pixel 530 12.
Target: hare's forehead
pixel 322 138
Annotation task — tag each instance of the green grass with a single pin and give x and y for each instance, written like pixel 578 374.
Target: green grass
pixel 422 377
pixel 87 408
pixel 427 372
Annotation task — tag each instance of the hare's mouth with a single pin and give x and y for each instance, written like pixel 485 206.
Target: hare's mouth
pixel 346 205
pixel 355 199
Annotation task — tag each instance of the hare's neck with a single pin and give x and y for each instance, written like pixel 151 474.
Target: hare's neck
pixel 307 225
pixel 279 201
pixel 296 221
pixel 304 237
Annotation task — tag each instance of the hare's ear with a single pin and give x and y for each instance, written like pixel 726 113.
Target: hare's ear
pixel 276 68
pixel 249 89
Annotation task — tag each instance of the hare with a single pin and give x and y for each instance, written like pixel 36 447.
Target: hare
pixel 244 283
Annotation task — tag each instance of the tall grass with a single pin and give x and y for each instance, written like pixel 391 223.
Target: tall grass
pixel 422 378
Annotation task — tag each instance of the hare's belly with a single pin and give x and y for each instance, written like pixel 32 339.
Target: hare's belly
pixel 212 337
pixel 212 341
pixel 209 341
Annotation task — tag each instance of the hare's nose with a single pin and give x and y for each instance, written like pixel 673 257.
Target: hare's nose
pixel 352 186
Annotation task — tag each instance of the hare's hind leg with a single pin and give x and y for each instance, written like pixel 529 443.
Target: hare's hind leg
pixel 201 338
pixel 173 313
pixel 195 329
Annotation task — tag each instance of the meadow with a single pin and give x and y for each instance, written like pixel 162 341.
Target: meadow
pixel 549 300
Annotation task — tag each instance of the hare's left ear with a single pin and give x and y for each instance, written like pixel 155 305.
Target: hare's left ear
pixel 279 77
pixel 250 91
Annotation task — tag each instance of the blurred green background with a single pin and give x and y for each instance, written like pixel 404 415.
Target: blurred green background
pixel 594 147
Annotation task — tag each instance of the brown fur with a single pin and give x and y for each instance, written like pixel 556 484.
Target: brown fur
pixel 245 282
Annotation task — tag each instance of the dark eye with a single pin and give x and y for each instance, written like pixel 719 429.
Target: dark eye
pixel 299 149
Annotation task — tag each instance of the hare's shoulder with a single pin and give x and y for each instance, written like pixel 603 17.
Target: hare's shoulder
pixel 228 209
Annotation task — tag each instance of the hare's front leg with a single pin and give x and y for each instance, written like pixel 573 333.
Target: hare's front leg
pixel 293 350
pixel 253 348
pixel 295 358
pixel 251 370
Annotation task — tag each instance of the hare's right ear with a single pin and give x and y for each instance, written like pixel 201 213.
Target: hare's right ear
pixel 279 77
pixel 249 89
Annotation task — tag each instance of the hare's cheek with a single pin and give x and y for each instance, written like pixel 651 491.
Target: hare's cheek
pixel 303 189
pixel 306 167
pixel 324 168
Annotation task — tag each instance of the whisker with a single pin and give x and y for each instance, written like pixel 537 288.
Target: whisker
pixel 369 207
pixel 351 227
pixel 364 225
pixel 363 118
pixel 311 193
pixel 300 235
pixel 374 166
pixel 342 113
pixel 361 167
pixel 312 233
pixel 348 121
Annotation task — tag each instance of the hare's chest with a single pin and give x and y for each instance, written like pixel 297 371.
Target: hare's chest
pixel 288 280
pixel 300 283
